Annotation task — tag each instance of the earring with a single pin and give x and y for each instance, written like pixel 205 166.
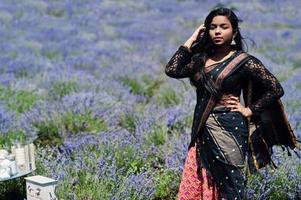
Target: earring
pixel 233 42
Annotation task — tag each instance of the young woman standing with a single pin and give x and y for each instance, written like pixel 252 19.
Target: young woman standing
pixel 216 64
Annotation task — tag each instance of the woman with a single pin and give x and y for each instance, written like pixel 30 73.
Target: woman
pixel 216 64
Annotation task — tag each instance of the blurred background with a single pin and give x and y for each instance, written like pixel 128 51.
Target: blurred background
pixel 84 80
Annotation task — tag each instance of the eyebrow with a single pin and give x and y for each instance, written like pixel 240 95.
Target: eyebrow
pixel 216 24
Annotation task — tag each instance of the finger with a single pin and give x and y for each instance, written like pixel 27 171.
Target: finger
pixel 234 98
pixel 232 106
pixel 201 27
pixel 235 110
pixel 232 102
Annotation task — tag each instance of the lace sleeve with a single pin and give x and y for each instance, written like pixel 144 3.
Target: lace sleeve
pixel 267 82
pixel 180 65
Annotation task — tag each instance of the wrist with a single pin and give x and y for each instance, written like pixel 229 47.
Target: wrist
pixel 187 47
pixel 189 43
pixel 248 112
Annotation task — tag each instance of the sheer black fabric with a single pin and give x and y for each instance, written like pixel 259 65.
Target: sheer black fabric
pixel 181 64
pixel 268 88
pixel 265 82
pixel 210 141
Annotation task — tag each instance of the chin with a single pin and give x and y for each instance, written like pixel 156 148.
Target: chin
pixel 219 44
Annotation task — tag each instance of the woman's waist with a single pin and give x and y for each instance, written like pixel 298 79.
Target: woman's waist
pixel 223 112
pixel 224 100
pixel 220 109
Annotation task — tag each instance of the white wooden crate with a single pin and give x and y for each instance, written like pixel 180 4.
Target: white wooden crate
pixel 40 188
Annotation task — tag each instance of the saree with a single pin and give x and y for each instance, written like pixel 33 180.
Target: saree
pixel 196 186
pixel 220 152
pixel 221 149
pixel 220 138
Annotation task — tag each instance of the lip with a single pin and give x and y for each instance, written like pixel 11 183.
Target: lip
pixel 217 38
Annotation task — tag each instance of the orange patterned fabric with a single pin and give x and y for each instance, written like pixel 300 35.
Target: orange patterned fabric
pixel 196 186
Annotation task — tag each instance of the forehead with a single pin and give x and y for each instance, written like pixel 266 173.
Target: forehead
pixel 217 20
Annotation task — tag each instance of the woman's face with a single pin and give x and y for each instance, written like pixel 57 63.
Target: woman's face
pixel 221 31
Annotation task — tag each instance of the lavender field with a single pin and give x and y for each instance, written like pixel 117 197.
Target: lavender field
pixel 85 80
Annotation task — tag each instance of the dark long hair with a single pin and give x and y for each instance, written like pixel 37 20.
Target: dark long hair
pixel 204 47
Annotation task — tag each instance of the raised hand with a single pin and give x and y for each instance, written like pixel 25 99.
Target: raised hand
pixel 200 30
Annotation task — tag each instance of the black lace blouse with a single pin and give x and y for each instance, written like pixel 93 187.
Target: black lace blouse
pixel 266 87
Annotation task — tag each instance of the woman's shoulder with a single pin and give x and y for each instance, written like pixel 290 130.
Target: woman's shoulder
pixel 251 59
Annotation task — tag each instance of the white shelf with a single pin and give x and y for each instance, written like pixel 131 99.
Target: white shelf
pixel 16 176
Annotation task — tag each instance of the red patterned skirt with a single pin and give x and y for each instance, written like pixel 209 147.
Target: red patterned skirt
pixel 195 186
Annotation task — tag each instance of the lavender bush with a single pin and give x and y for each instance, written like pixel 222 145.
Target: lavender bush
pixel 86 80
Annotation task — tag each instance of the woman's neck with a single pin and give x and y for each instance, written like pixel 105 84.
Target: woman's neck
pixel 223 51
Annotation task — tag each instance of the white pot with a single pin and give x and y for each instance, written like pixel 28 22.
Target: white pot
pixel 3 153
pixel 4 173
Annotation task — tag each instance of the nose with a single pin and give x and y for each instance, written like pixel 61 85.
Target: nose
pixel 217 30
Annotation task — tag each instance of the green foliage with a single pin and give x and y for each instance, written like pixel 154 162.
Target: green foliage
pixel 144 86
pixel 18 101
pixel 296 63
pixel 75 123
pixel 293 104
pixel 56 12
pixel 127 158
pixel 253 181
pixel 48 133
pixel 167 184
pixel 87 187
pixel 157 135
pixel 55 130
pixel 298 170
pixel 133 84
pixel 281 183
pixel 13 189
pixel 282 77
pixel 51 55
pixel 21 73
pixel 285 181
pixel 24 101
pixel 92 187
pixel 81 182
pixel 279 25
pixel 128 121
pixel 7 139
pixel 298 86
pixel 84 184
pixel 168 97
pixel 179 126
pixel 40 166
pixel 61 89
pixel 150 86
